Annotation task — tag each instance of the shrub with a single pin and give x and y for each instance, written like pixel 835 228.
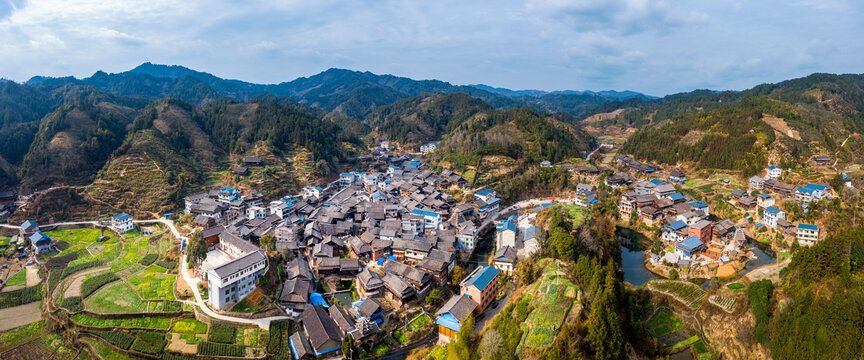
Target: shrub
pixel 20 296
pixel 221 334
pixel 119 339
pixel 214 349
pixel 173 356
pixel 276 330
pixel 73 304
pixel 78 267
pixel 60 262
pixel 148 259
pixel 149 342
pixel 92 284
pixel 165 264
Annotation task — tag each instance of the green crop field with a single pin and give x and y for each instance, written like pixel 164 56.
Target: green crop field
pixel 683 291
pixel 115 299
pixel 145 322
pixel 76 236
pixel 19 279
pixel 156 269
pixel 153 286
pixel 418 323
pixel 551 296
pixel 663 323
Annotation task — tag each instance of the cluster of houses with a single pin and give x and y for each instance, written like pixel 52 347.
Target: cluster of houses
pixel 428 148
pixel 684 222
pixel 807 234
pixel 30 234
pixel 393 231
pixel 7 203
pixel 635 165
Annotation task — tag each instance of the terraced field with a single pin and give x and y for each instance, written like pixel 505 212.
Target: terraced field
pixel 685 292
pixel 553 296
pixel 153 285
pixel 727 303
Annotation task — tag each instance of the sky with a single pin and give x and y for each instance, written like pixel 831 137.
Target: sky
pixel 655 47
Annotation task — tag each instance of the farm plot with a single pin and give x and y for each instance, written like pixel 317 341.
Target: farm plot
pixel 727 303
pixel 133 252
pixel 144 322
pixel 663 323
pixel 190 330
pixel 553 296
pixel 417 323
pixel 76 236
pixel 685 292
pixel 115 299
pixel 19 279
pixel 153 285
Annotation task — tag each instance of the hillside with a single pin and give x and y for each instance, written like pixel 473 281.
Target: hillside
pixel 424 118
pixel 502 149
pixel 73 143
pixel 784 123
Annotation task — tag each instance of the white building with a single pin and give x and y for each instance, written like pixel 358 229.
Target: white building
pixel 346 179
pixel 505 260
pixel 431 219
pixel 770 216
pixel 122 223
pixel 505 234
pixel 764 201
pixel 808 234
pixel 256 212
pixel 231 281
pixel 774 172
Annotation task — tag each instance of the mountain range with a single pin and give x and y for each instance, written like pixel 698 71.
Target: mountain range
pixel 159 132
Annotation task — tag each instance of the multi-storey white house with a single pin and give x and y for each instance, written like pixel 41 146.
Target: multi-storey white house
pixel 774 172
pixel 233 280
pixel 122 223
pixel 431 219
pixel 808 234
pixel 770 216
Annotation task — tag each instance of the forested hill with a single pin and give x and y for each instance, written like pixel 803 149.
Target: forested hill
pixel 424 118
pixel 352 93
pixel 784 123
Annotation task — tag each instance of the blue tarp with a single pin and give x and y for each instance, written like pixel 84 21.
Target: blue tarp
pixel 316 299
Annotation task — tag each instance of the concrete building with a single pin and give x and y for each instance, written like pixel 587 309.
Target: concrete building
pixel 232 280
pixel 505 234
pixel 452 315
pixel 481 286
pixel 770 216
pixel 122 223
pixel 808 234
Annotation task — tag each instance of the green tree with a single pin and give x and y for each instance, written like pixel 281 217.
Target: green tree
pixel 526 272
pixel 348 348
pixel 673 274
pixel 434 297
pixel 564 245
pixel 457 275
pixel 605 327
pixel 197 249
pixel 268 243
pixel 460 349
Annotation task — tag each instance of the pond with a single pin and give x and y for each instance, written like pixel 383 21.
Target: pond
pixel 632 257
pixel 764 256
pixel 344 298
pixel 633 265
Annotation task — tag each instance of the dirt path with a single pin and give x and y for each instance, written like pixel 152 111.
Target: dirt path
pixel 21 315
pixel 33 276
pixel 74 288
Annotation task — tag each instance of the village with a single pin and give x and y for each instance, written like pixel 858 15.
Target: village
pixel 395 255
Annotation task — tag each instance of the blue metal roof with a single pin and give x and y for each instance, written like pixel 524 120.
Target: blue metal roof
pixel 505 225
pixel 765 196
pixel 485 192
pixel 121 217
pixel 39 238
pixel 657 181
pixel 28 223
pixel 531 232
pixel 808 227
pixel 690 243
pixel 699 204
pixel 676 197
pixel 482 278
pixel 772 167
pixel 425 213
pixel 677 225
pixel 772 210
pixel 805 190
pixel 449 321
pixel 817 187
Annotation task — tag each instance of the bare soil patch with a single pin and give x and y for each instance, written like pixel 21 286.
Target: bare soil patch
pixel 32 276
pixel 692 137
pixel 780 125
pixel 179 345
pixel 21 315
pixel 74 288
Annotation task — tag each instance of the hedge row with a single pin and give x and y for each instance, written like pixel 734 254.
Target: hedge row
pixel 167 265
pixel 276 330
pixel 222 334
pixel 148 259
pixel 60 262
pixel 214 349
pixel 119 339
pixel 20 296
pixel 78 267
pixel 173 356
pixel 92 284
pixel 73 304
pixel 149 342
pixel 172 306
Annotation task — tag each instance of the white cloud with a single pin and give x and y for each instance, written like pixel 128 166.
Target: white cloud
pixel 652 46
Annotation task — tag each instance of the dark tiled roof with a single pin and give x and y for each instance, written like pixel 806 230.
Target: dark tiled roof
pixel 319 327
pixel 239 264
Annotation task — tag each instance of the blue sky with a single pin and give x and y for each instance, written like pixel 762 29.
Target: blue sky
pixel 656 47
